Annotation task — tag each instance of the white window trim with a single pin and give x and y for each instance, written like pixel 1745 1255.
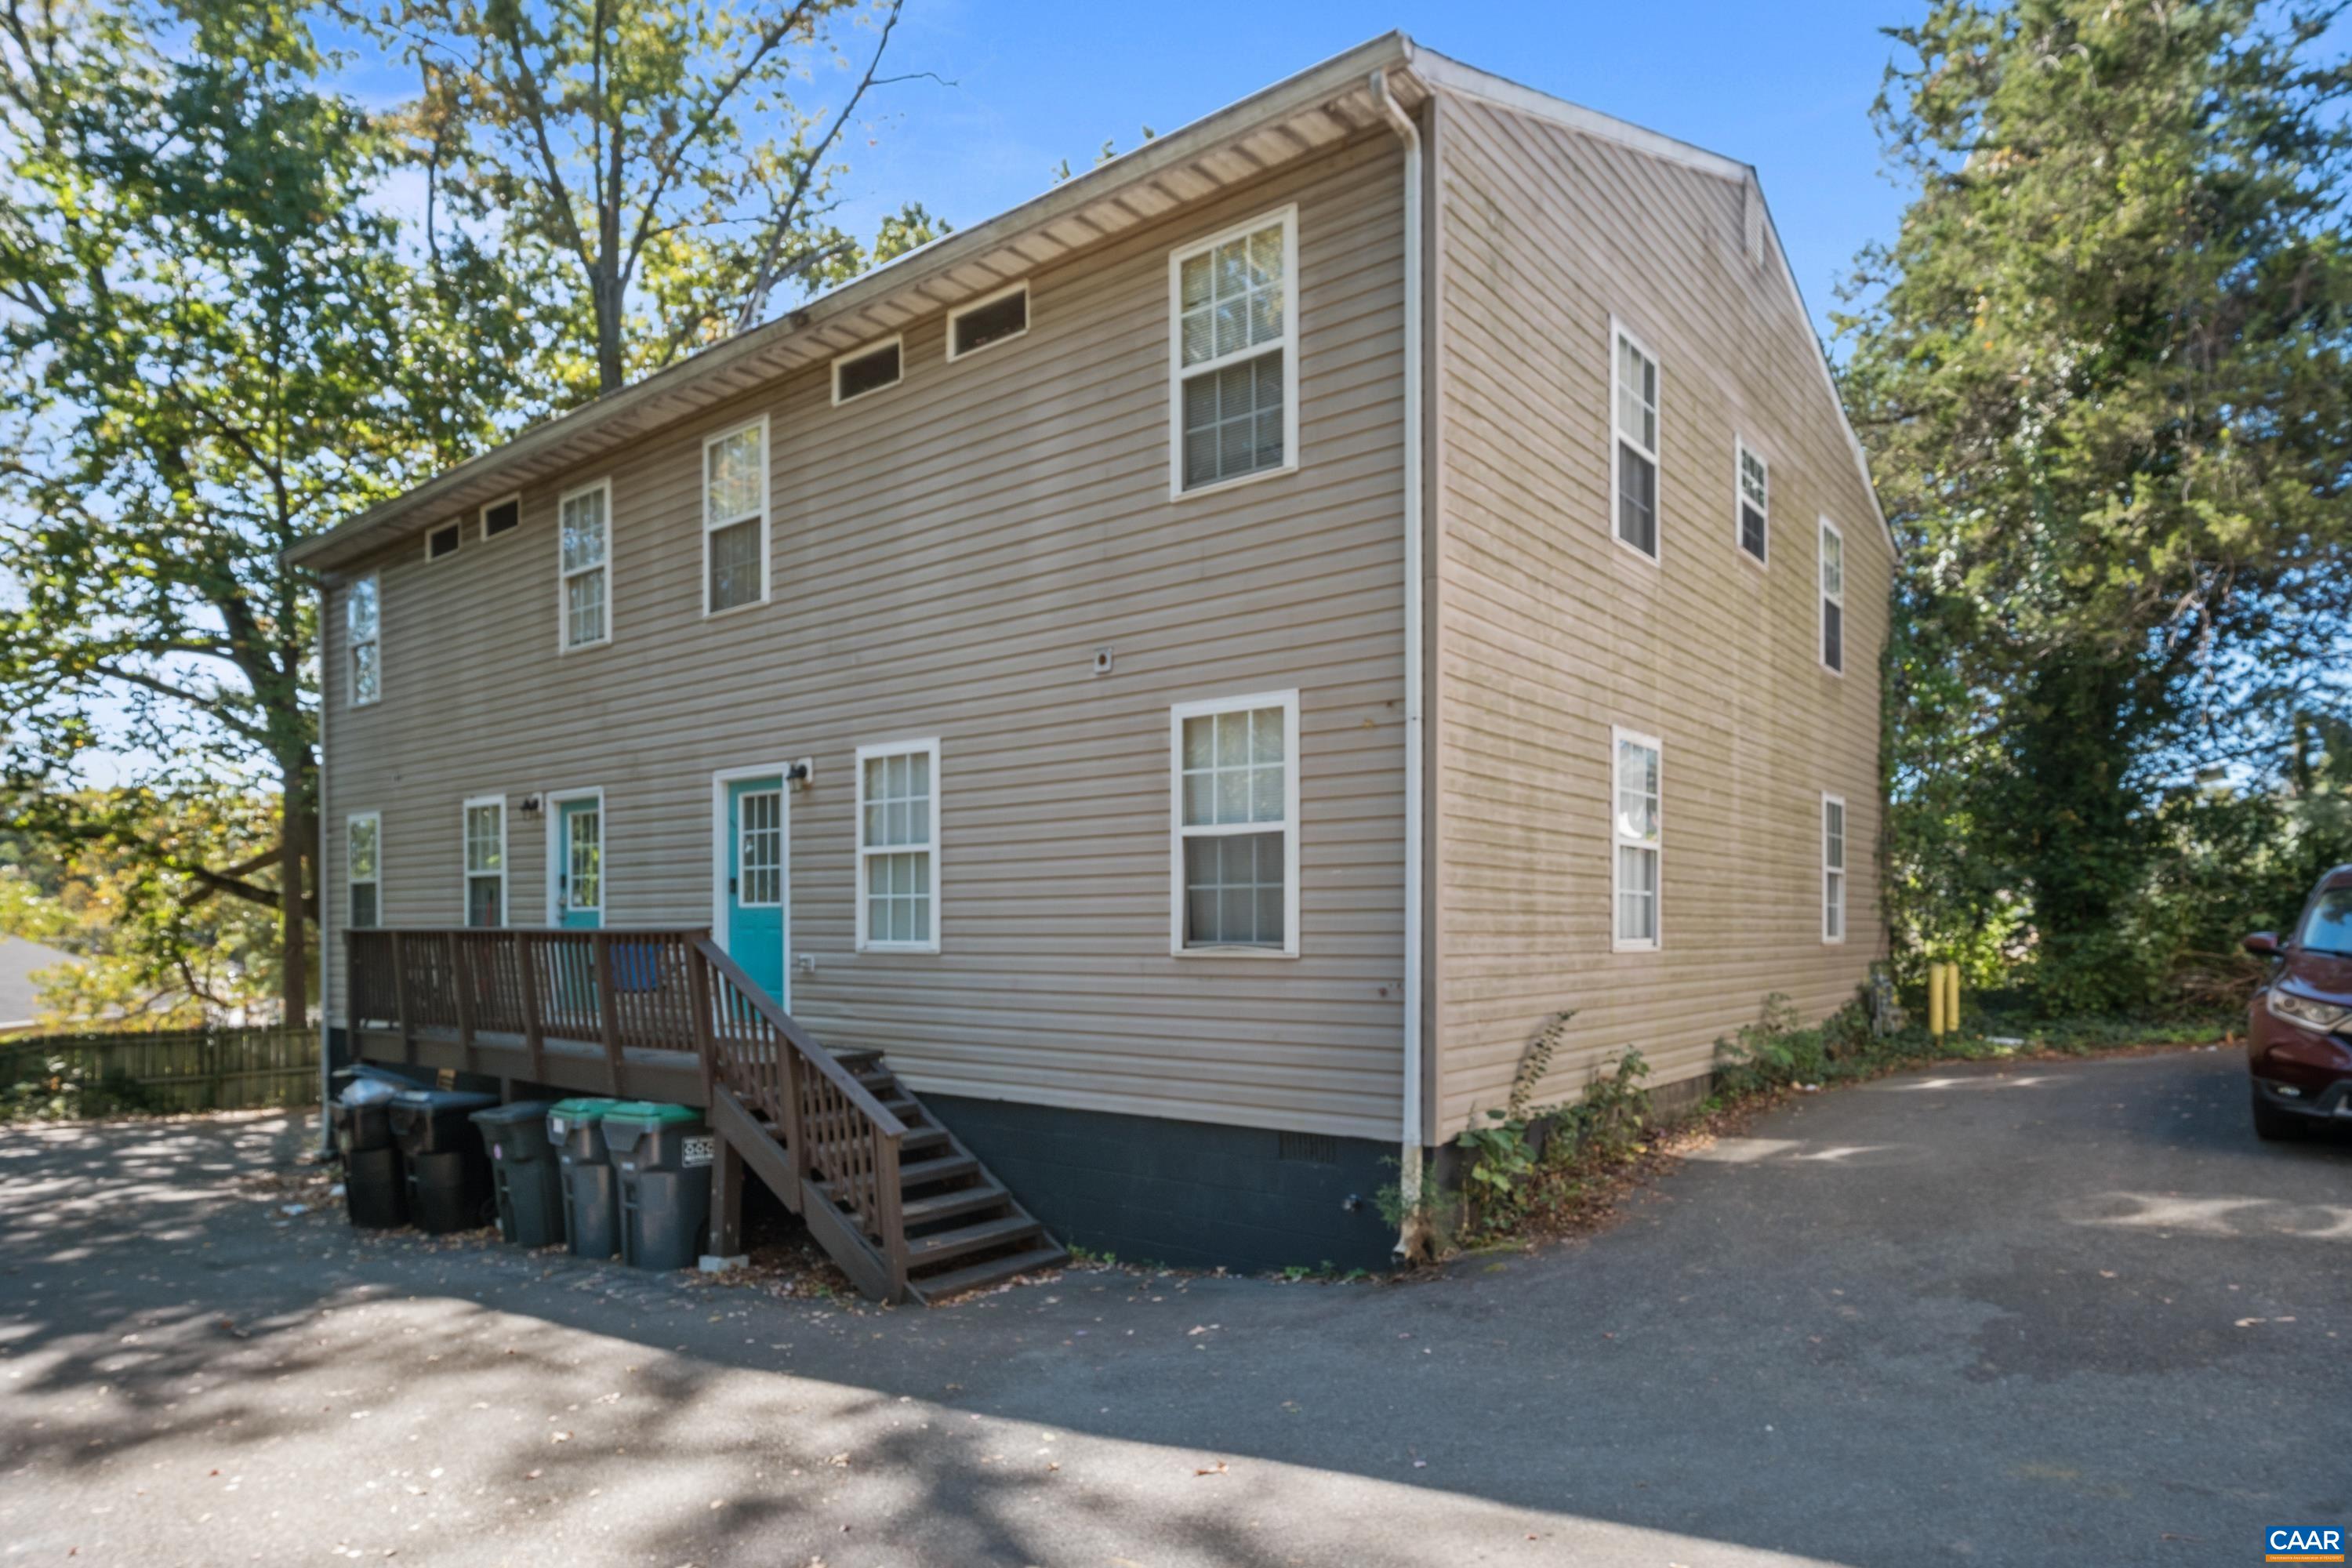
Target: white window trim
pixel 376 882
pixel 1618 736
pixel 482 520
pixel 465 873
pixel 558 852
pixel 708 527
pixel 930 748
pixel 1741 450
pixel 1845 876
pixel 1179 373
pixel 456 549
pixel 563 643
pixel 351 646
pixel 1288 702
pixel 721 908
pixel 1657 454
pixel 860 351
pixel 1823 598
pixel 968 306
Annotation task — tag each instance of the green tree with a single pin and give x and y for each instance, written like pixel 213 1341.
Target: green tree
pixel 158 948
pixel 211 344
pixel 661 156
pixel 2103 372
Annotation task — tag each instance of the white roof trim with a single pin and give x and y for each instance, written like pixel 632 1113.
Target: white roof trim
pixel 1446 75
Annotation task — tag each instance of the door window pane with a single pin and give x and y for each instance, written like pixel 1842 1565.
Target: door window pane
pixel 760 848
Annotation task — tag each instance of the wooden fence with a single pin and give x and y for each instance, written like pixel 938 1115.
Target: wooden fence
pixel 191 1070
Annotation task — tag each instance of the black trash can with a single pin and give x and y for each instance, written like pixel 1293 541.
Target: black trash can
pixel 375 1185
pixel 661 1156
pixel 592 1198
pixel 525 1179
pixel 448 1172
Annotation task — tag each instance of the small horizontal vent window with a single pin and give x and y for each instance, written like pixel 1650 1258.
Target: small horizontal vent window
pixel 1308 1148
pixel 442 542
pixel 501 516
pixel 990 321
pixel 870 371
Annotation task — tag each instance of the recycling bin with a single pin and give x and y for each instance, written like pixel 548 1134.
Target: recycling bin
pixel 375 1187
pixel 661 1158
pixel 525 1179
pixel 448 1171
pixel 592 1198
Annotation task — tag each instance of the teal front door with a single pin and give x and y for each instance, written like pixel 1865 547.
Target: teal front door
pixel 580 865
pixel 755 882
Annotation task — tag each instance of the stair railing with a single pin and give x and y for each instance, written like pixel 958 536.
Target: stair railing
pixel 833 1129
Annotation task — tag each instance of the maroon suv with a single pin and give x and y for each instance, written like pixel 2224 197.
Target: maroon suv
pixel 2299 1033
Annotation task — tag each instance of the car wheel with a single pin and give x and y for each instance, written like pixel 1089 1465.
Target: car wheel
pixel 2270 1122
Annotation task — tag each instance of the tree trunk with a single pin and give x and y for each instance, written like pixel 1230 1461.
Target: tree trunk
pixel 604 294
pixel 2078 839
pixel 295 829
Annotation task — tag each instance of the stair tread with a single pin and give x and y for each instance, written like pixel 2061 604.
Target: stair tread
pixel 946 1244
pixel 988 1271
pixel 958 1200
pixel 922 1137
pixel 916 1172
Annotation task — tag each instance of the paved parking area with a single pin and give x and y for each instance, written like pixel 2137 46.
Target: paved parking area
pixel 2055 1314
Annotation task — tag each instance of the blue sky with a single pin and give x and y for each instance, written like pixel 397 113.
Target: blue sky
pixel 1787 89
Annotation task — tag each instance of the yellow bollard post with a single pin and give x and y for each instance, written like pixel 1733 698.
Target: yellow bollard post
pixel 1934 1001
pixel 1952 998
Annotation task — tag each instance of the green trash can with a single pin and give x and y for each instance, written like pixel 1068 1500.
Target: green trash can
pixel 661 1158
pixel 592 1198
pixel 525 1178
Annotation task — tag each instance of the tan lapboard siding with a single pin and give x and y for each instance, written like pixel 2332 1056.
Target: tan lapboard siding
pixel 946 557
pixel 1547 632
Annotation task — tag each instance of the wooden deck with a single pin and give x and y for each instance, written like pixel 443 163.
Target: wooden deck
pixel 664 1015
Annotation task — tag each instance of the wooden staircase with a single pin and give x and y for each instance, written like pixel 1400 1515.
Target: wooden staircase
pixel 892 1195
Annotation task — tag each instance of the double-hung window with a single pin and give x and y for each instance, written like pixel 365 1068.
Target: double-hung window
pixel 1235 814
pixel 735 517
pixel 1754 504
pixel 1833 868
pixel 1636 832
pixel 1832 598
pixel 1235 341
pixel 585 518
pixel 485 819
pixel 898 848
pixel 1634 448
pixel 362 621
pixel 363 868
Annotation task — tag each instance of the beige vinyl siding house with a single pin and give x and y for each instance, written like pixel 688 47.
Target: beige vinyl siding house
pixel 1036 564
pixel 1549 632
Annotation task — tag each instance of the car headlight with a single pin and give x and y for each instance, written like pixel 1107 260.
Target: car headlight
pixel 2307 1011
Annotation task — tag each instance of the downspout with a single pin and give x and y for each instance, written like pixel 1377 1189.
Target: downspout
pixel 1409 1149
pixel 326 970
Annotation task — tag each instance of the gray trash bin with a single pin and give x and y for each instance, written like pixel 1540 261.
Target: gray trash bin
pixel 448 1174
pixel 375 1185
pixel 525 1178
pixel 592 1198
pixel 661 1156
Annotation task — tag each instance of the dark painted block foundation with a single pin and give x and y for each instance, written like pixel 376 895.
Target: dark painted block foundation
pixel 1184 1193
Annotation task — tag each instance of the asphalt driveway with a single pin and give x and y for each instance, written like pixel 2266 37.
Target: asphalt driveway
pixel 2050 1314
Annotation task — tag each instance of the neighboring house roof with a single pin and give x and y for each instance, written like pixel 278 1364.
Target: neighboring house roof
pixel 20 1001
pixel 1294 119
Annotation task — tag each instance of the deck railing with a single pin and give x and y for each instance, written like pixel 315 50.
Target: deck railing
pixel 667 989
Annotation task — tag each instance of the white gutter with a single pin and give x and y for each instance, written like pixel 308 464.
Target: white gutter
pixel 1409 1152
pixel 326 1015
